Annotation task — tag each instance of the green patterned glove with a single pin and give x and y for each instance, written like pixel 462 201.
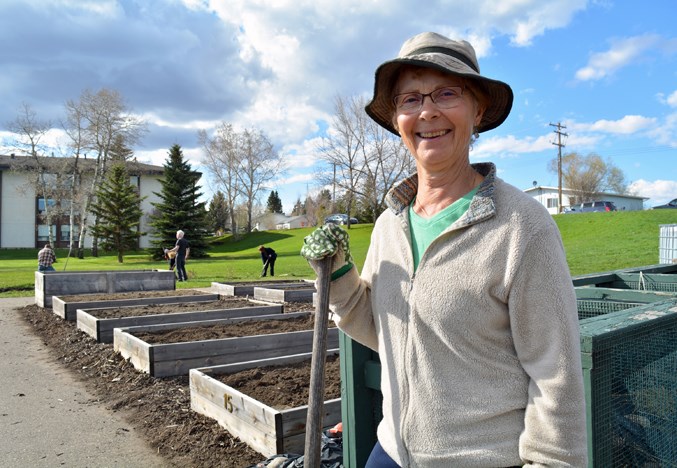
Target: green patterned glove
pixel 328 241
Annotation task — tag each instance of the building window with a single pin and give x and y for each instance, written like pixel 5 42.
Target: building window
pixel 552 202
pixel 43 232
pixel 65 233
pixel 41 204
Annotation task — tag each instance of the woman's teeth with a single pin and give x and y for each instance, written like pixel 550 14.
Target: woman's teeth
pixel 434 134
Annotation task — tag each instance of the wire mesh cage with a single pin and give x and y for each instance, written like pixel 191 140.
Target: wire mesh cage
pixel 593 307
pixel 630 373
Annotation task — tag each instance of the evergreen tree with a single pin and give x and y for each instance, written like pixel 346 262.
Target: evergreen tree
pixel 218 212
pixel 179 207
pixel 118 211
pixel 274 203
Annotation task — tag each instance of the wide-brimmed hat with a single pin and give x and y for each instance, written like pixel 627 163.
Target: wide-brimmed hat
pixel 432 50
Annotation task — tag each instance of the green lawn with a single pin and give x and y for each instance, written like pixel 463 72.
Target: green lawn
pixel 594 242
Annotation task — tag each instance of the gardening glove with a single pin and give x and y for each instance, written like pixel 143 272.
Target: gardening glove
pixel 328 241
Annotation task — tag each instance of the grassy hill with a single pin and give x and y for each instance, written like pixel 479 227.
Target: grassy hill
pixel 594 242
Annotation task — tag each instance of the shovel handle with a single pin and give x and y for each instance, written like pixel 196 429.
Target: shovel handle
pixel 312 454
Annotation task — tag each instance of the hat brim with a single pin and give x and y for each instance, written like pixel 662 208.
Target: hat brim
pixel 381 108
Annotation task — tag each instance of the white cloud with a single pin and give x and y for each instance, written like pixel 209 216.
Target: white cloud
pixel 509 145
pixel 627 125
pixel 658 191
pixel 672 99
pixel 622 53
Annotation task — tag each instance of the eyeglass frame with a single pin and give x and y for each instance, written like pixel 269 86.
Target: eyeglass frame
pixel 430 95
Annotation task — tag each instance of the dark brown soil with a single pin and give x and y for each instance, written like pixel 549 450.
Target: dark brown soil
pixel 232 330
pixel 175 308
pixel 159 408
pixel 131 295
pixel 283 387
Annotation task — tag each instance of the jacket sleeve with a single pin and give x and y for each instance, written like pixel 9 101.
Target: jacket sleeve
pixel 350 300
pixel 544 322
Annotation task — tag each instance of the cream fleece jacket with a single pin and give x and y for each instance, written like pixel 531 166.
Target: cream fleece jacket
pixel 479 348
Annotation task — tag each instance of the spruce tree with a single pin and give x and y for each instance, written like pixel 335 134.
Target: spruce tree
pixel 118 211
pixel 218 212
pixel 274 203
pixel 179 207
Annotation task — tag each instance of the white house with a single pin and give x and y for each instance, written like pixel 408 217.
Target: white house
pixel 277 221
pixel 294 223
pixel 549 198
pixel 21 223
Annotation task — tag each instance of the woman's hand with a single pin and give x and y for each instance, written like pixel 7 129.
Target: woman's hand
pixel 328 241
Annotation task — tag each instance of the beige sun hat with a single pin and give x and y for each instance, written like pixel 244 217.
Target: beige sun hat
pixel 432 50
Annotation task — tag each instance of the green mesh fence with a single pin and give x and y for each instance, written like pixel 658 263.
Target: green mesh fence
pixel 651 286
pixel 630 371
pixel 592 307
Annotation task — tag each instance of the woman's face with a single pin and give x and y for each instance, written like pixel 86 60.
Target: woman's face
pixel 438 138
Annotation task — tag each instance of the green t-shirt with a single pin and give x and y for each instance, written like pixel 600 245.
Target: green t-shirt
pixel 424 231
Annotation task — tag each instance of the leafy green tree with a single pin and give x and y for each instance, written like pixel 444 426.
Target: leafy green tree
pixel 218 212
pixel 274 203
pixel 179 207
pixel 118 211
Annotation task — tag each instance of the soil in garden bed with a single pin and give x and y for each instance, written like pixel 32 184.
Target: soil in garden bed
pixel 159 409
pixel 131 295
pixel 213 332
pixel 283 387
pixel 175 308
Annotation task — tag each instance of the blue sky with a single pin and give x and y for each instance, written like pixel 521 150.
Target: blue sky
pixel 607 70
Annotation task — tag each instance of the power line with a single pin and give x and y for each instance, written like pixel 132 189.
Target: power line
pixel 559 145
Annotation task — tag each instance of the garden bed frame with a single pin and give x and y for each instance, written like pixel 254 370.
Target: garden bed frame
pixel 169 359
pixel 101 329
pixel 267 430
pixel 246 288
pixel 67 283
pixel 68 310
pixel 285 293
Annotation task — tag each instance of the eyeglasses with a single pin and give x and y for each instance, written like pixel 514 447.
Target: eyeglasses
pixel 444 98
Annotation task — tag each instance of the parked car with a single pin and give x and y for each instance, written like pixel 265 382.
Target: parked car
pixel 594 206
pixel 670 204
pixel 340 219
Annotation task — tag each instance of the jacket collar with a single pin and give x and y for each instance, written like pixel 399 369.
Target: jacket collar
pixel 482 206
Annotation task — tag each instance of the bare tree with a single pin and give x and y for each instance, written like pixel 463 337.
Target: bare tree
pixel 589 175
pixel 242 163
pixel 342 148
pixel 368 159
pixel 222 163
pixel 45 173
pixel 100 118
pixel 259 163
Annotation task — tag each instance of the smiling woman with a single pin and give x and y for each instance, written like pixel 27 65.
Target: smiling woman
pixel 465 291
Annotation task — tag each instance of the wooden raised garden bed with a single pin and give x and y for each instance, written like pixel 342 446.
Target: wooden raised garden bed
pixel 246 288
pixel 99 323
pixel 66 306
pixel 168 358
pixel 302 292
pixel 58 283
pixel 266 429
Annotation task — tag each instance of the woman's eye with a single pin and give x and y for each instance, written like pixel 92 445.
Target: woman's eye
pixel 447 93
pixel 410 99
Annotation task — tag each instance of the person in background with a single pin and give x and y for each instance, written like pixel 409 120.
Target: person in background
pixel 268 257
pixel 465 291
pixel 182 251
pixel 170 256
pixel 46 258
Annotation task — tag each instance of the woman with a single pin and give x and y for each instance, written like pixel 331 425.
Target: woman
pixel 465 291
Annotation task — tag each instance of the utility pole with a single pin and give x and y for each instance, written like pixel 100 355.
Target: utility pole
pixel 559 145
